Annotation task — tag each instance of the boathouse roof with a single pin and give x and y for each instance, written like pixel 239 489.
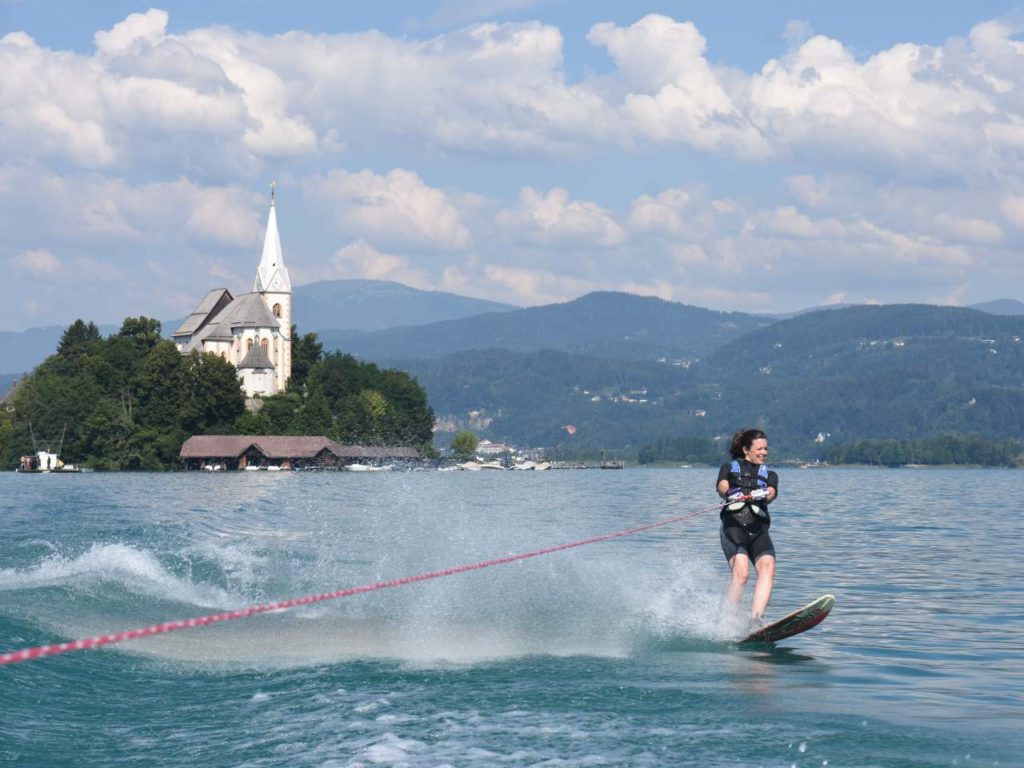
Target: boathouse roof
pixel 284 447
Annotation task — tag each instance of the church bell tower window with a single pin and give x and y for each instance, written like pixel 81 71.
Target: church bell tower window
pixel 277 310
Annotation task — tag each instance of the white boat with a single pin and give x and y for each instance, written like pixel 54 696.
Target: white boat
pixel 45 461
pixel 367 467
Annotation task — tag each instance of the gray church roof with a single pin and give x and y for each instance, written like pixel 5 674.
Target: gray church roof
pixel 256 358
pixel 246 311
pixel 208 308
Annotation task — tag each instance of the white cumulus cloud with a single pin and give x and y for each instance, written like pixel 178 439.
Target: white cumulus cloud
pixel 395 208
pixel 362 260
pixel 40 263
pixel 554 218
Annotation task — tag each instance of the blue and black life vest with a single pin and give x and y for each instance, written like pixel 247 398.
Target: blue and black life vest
pixel 745 482
pixel 748 511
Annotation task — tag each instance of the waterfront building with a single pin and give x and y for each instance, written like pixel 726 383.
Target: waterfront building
pixel 276 452
pixel 251 331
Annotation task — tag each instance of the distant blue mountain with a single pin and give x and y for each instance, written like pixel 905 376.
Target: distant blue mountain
pixel 373 305
pixel 21 351
pixel 609 325
pixel 1000 307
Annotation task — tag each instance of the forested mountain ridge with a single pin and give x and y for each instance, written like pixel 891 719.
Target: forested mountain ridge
pixel 897 372
pixel 619 326
pixel 870 372
pixel 346 313
pixel 534 398
pixel 813 381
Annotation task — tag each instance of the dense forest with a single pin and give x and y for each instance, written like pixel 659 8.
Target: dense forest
pixel 129 401
pixel 814 382
pixel 951 449
pixel 898 372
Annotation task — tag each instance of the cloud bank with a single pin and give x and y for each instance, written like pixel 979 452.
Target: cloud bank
pixel 896 174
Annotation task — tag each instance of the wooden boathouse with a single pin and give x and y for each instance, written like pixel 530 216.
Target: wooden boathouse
pixel 277 452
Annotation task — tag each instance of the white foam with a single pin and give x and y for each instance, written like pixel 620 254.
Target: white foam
pixel 138 571
pixel 392 750
pixel 690 606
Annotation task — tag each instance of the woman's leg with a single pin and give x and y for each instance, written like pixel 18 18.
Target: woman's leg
pixel 740 565
pixel 765 567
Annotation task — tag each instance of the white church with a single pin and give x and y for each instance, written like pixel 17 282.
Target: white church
pixel 252 331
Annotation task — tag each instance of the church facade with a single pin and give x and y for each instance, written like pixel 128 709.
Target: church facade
pixel 251 331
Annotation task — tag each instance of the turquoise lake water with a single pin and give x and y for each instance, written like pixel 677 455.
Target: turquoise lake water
pixel 614 654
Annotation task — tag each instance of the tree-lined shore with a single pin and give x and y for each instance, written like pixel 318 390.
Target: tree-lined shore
pixel 129 401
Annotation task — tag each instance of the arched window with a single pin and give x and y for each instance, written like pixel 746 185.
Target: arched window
pixel 248 345
pixel 277 310
pixel 265 343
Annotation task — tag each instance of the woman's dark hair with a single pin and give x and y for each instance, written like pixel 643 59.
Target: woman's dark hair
pixel 744 439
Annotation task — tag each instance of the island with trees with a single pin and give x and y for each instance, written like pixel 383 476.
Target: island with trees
pixel 129 401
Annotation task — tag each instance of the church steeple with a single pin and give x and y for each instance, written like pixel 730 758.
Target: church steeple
pixel 272 275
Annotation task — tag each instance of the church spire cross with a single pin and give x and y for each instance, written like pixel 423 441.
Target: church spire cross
pixel 273 184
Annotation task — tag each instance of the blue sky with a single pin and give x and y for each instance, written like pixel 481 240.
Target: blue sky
pixel 752 156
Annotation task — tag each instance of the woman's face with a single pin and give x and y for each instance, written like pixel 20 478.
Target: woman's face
pixel 757 452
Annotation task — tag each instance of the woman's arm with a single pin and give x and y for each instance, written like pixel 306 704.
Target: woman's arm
pixel 773 486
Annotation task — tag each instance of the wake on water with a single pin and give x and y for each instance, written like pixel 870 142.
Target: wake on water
pixel 563 604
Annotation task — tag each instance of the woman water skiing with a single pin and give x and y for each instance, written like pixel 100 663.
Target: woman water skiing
pixel 748 487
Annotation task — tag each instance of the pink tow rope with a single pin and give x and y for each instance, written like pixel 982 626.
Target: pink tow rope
pixel 38 652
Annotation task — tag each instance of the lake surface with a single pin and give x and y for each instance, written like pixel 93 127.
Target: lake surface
pixel 613 654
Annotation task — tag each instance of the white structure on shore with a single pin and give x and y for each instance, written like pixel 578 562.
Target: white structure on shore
pixel 254 331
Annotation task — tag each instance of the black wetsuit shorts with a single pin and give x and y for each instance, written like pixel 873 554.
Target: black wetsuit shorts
pixel 753 541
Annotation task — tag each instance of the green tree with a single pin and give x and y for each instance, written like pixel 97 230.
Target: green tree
pixel 278 413
pixel 78 336
pixel 369 405
pixel 144 331
pixel 409 419
pixel 212 394
pixel 159 388
pixel 464 444
pixel 250 423
pixel 314 418
pixel 307 351
pixel 6 429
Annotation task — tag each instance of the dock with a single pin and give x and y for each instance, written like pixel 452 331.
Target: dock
pixel 588 464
